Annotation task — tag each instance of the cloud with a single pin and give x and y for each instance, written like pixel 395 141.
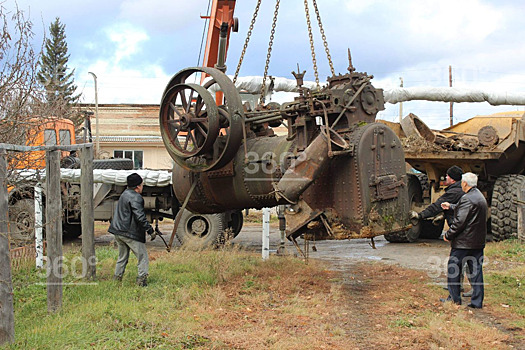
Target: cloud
pixel 127 40
pixel 123 75
pixel 449 20
pixel 163 16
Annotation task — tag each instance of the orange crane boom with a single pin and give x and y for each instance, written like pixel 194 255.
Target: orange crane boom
pixel 221 24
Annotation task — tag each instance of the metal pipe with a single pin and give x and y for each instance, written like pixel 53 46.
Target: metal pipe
pixel 267 120
pixel 223 42
pixel 262 117
pixel 96 115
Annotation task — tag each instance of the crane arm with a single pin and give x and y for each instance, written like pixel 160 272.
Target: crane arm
pixel 221 16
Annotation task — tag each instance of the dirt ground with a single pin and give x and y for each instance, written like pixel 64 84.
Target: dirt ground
pixel 391 293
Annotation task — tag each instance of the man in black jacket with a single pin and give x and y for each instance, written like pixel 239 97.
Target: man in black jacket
pixel 452 194
pixel 467 236
pixel 129 225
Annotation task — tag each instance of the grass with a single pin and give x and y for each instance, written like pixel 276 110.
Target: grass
pixel 509 250
pixel 193 300
pixel 505 278
pixel 230 299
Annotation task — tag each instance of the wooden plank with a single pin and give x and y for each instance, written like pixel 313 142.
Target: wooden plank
pixel 521 215
pixel 87 212
pixel 54 231
pixel 19 148
pixel 7 317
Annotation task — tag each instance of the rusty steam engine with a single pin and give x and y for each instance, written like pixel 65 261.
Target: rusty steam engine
pixel 341 174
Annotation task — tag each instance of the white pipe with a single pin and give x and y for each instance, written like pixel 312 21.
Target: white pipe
pixel 253 84
pixel 450 94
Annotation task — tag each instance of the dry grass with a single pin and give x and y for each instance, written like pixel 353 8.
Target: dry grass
pixel 230 299
pixel 403 311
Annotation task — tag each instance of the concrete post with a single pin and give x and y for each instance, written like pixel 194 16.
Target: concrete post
pixel 39 236
pixel 266 234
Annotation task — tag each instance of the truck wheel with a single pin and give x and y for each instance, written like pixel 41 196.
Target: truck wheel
pixel 425 185
pixel 200 230
pixel 415 195
pixel 504 211
pixel 236 223
pixel 115 164
pixel 22 220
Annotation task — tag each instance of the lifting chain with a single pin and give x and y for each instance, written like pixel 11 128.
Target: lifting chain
pixel 269 54
pixel 254 18
pixel 325 42
pixel 311 36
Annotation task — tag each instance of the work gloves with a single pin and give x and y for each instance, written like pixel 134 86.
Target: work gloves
pixel 438 219
pixel 414 217
pixel 152 233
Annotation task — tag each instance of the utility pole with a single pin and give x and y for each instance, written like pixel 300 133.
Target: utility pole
pixel 96 115
pixel 451 103
pixel 401 103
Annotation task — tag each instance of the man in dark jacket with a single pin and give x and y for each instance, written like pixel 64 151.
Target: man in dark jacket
pixel 467 236
pixel 129 225
pixel 452 194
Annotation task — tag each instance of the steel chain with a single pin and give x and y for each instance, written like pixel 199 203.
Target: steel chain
pixel 325 42
pixel 252 24
pixel 269 54
pixel 311 36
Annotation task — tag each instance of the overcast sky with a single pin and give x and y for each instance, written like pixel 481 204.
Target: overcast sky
pixel 135 46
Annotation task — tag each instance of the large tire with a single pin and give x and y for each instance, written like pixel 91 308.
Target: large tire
pixel 236 222
pixel 415 195
pixel 504 210
pixel 115 164
pixel 425 185
pixel 22 220
pixel 200 230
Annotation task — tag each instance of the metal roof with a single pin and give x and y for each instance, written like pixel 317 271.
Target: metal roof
pixel 131 139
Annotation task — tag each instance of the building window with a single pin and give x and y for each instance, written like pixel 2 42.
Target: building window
pixel 136 156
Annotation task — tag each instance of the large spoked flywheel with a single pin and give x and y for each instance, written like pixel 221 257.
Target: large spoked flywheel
pixel 190 119
pixel 198 135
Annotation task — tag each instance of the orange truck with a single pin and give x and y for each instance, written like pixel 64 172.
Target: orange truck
pixel 160 200
pixel 47 132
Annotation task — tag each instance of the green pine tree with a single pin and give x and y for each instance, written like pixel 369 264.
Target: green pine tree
pixel 53 74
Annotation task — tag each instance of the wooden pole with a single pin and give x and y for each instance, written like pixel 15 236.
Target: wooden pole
pixel 521 215
pixel 87 212
pixel 54 231
pixel 7 315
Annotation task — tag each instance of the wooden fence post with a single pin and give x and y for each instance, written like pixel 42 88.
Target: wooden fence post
pixel 54 231
pixel 87 213
pixel 7 316
pixel 521 215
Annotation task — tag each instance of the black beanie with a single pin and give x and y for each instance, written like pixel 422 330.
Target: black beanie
pixel 134 180
pixel 455 172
